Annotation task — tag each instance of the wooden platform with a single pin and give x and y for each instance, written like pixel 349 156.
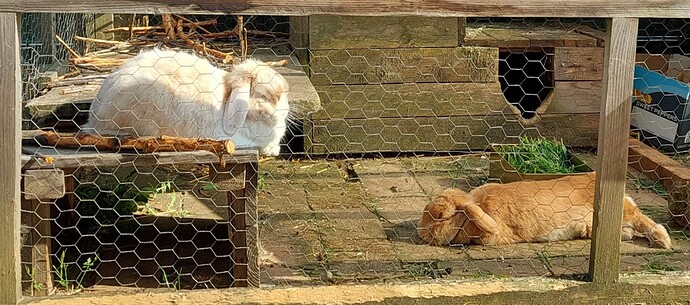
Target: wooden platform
pixel 52 183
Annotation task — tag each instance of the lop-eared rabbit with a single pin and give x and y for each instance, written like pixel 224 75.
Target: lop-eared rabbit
pixel 177 93
pixel 527 211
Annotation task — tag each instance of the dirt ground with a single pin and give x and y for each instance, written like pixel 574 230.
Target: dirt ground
pixel 353 221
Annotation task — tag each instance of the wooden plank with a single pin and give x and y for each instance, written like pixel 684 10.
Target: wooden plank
pixel 44 184
pixel 657 166
pixel 460 133
pixel 454 8
pixel 522 36
pixel 575 97
pixel 462 30
pixel 71 158
pixel 41 249
pixel 10 149
pixel 578 63
pixel 96 23
pixel 407 100
pixel 243 231
pixel 330 32
pixel 612 161
pixel 299 37
pixel 418 65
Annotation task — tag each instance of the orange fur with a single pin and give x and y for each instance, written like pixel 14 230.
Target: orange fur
pixel 527 211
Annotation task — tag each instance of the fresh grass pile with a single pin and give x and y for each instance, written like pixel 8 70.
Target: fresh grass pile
pixel 538 156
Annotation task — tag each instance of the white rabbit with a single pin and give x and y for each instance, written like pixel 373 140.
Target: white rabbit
pixel 174 93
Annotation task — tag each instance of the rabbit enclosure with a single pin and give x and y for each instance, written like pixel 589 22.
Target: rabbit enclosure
pixel 390 105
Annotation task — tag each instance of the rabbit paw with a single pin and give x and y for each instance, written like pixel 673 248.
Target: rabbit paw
pixel 271 150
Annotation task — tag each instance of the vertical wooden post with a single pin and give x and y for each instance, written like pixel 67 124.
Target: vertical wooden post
pixel 10 150
pixel 612 154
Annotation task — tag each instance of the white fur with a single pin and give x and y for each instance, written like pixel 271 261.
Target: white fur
pixel 164 92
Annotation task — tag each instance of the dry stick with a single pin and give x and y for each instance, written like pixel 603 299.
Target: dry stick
pixel 233 32
pixel 157 28
pixel 131 27
pixel 168 25
pixel 99 41
pixel 227 58
pixel 76 81
pixel 240 34
pixel 196 25
pixel 70 50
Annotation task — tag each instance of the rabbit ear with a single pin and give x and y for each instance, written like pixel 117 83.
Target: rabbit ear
pixel 237 106
pixel 484 221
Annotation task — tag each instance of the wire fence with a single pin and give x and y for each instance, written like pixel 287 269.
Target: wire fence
pixel 391 149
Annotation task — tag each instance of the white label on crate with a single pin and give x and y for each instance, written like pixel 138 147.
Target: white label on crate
pixel 650 122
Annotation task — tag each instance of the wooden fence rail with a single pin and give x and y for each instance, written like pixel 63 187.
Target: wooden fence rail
pixel 615 110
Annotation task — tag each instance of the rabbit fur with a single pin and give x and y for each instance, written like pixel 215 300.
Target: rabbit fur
pixel 527 211
pixel 176 93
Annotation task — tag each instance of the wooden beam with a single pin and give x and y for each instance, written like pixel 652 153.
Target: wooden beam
pixel 614 126
pixel 10 149
pixel 441 8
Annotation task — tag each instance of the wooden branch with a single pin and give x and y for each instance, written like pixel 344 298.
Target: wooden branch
pixel 198 24
pixel 225 57
pixel 189 24
pixel 169 26
pixel 69 49
pixel 99 41
pixel 139 144
pixel 240 33
pixel 233 33
pixel 130 33
pixel 98 61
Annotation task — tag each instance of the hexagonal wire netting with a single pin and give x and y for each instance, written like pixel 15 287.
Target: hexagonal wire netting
pixel 386 116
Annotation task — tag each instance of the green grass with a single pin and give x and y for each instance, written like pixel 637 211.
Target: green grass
pixel 657 266
pixel 538 156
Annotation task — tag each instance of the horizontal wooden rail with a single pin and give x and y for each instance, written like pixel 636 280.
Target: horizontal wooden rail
pixel 458 8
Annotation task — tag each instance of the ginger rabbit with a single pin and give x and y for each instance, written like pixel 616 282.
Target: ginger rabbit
pixel 527 211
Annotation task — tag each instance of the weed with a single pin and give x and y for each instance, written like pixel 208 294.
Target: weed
pixel 62 277
pixel 175 285
pixel 657 266
pixel 36 286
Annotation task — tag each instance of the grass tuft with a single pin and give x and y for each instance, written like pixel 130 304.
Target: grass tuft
pixel 538 156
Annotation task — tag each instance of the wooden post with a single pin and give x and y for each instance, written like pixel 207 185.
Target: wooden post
pixel 244 232
pixel 612 154
pixel 10 151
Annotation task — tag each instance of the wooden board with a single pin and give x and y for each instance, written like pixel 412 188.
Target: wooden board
pixel 657 166
pixel 44 184
pixel 460 133
pixel 521 36
pixel 575 97
pixel 73 158
pixel 330 32
pixel 456 8
pixel 299 37
pixel 407 100
pixel 10 197
pixel 419 65
pixel 612 161
pixel 578 64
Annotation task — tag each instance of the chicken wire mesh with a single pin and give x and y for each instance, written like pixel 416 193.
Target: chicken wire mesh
pixel 386 114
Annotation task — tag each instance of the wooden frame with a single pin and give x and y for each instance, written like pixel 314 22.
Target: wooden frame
pixel 614 120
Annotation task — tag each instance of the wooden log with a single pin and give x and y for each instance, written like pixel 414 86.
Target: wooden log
pixel 409 100
pixel 139 144
pixel 459 133
pixel 456 8
pixel 409 65
pixel 10 151
pixel 331 32
pixel 578 64
pixel 612 161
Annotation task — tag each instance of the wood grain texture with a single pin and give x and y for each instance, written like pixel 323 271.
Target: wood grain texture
pixel 578 64
pixel 407 100
pixel 455 8
pixel 522 36
pixel 44 184
pixel 460 133
pixel 575 97
pixel 243 230
pixel 404 65
pixel 10 149
pixel 612 156
pixel 41 248
pixel 329 32
pixel 71 158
